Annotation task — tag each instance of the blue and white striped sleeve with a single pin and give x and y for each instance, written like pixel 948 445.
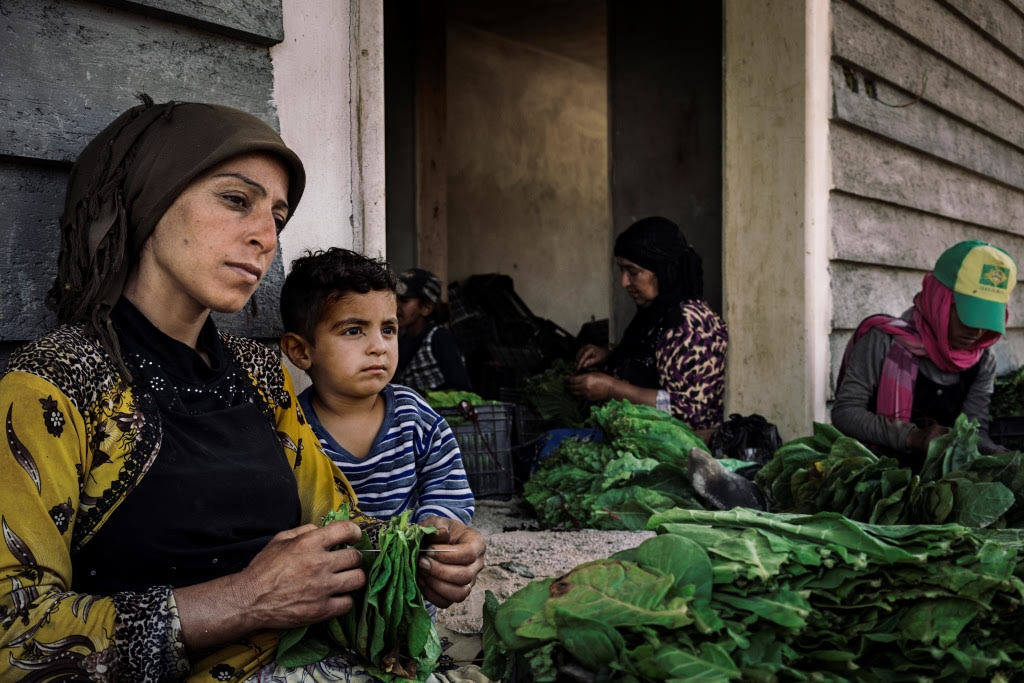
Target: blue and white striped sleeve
pixel 443 487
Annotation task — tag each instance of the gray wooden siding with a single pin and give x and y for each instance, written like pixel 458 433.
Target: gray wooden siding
pixel 927 141
pixel 70 67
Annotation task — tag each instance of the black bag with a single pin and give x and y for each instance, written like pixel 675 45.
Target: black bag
pixel 751 438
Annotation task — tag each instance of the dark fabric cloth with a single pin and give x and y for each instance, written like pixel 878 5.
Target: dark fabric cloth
pixel 432 361
pixel 656 244
pixel 936 403
pixel 212 499
pixel 123 182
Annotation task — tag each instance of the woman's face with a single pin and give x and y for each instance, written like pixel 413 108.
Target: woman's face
pixel 215 243
pixel 960 336
pixel 639 283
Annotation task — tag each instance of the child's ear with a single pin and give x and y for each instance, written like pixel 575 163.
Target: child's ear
pixel 297 349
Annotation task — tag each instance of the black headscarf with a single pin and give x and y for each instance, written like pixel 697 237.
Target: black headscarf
pixel 123 182
pixel 656 244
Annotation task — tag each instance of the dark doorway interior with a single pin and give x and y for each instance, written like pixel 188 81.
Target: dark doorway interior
pixel 665 89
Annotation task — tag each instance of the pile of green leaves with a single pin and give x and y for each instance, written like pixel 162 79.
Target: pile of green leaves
pixel 957 484
pixel 638 469
pixel 1008 395
pixel 752 596
pixel 389 629
pixel 450 399
pixel 547 394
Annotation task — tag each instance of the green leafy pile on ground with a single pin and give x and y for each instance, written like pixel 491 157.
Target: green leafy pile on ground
pixel 547 394
pixel 638 469
pixel 389 629
pixel 957 484
pixel 1008 395
pixel 745 595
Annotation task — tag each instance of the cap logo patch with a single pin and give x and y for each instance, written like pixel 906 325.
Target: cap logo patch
pixel 995 276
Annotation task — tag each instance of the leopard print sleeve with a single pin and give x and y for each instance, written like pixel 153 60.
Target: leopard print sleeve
pixel 691 366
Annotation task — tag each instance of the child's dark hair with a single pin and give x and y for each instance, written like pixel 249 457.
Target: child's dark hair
pixel 319 278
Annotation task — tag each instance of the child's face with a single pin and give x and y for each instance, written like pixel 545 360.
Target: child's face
pixel 355 347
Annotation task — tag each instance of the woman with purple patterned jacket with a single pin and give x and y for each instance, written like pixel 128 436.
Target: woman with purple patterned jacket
pixel 672 354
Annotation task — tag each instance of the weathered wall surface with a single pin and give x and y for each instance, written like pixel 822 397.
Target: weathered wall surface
pixel 665 87
pixel 927 140
pixel 774 259
pixel 69 68
pixel 528 173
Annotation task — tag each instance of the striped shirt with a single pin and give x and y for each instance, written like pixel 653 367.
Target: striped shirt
pixel 414 461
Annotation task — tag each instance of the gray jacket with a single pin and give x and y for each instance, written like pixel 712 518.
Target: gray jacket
pixel 850 413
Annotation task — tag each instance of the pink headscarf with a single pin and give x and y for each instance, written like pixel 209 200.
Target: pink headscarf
pixel 930 317
pixel 925 334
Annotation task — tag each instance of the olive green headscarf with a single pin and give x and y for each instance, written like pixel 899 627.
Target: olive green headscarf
pixel 123 182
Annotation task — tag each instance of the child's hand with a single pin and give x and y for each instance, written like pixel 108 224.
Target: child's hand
pixel 447 578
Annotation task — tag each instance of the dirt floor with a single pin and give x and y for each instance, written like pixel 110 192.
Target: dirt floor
pixel 517 553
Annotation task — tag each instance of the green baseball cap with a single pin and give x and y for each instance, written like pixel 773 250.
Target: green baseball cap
pixel 981 276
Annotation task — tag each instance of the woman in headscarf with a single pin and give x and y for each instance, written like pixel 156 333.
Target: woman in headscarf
pixel 672 354
pixel 904 381
pixel 160 490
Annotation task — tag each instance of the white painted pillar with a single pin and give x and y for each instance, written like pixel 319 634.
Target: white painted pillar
pixel 776 239
pixel 329 92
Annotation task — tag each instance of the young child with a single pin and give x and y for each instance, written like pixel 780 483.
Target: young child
pixel 340 317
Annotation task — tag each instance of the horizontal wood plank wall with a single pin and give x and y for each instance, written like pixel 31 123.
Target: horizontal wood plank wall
pixel 69 68
pixel 927 139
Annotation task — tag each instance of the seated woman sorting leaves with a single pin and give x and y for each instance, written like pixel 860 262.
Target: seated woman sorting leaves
pixel 672 354
pixel 905 380
pixel 160 489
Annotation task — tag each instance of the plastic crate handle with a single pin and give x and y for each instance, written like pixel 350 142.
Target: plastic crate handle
pixel 469 412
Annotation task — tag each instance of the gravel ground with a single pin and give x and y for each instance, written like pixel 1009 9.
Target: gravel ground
pixel 518 553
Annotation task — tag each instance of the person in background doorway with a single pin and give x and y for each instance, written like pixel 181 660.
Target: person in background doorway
pixel 903 381
pixel 672 354
pixel 429 358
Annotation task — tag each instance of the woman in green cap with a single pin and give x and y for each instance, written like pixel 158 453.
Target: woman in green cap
pixel 160 489
pixel 903 381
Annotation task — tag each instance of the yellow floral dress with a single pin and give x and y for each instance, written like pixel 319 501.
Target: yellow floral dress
pixel 75 445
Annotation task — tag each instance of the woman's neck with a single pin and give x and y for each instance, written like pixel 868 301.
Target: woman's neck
pixel 181 323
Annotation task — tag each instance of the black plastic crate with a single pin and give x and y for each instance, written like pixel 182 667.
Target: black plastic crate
pixel 486 446
pixel 1008 431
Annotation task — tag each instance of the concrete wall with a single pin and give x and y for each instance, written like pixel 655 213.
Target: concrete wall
pixel 528 174
pixel 329 90
pixel 927 144
pixel 665 92
pixel 776 284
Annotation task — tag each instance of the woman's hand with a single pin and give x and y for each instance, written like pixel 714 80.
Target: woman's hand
pixel 297 579
pixel 918 439
pixel 447 578
pixel 590 354
pixel 591 386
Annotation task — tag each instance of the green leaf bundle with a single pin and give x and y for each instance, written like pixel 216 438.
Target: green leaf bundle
pixel 754 596
pixel 639 468
pixel 547 394
pixel 389 629
pixel 957 484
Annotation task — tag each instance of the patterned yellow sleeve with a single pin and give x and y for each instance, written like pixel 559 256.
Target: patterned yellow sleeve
pixel 46 630
pixel 322 485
